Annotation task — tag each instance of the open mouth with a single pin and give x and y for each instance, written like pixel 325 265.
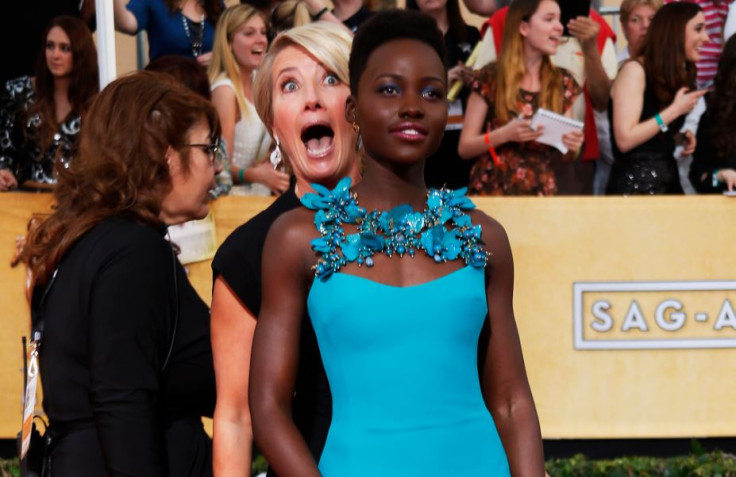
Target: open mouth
pixel 318 138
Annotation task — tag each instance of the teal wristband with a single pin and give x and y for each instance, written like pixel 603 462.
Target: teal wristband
pixel 662 126
pixel 716 181
pixel 241 179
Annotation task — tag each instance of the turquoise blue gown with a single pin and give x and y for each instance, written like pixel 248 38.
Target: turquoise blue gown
pixel 402 367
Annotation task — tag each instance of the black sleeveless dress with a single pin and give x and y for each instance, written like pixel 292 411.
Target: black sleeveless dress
pixel 649 168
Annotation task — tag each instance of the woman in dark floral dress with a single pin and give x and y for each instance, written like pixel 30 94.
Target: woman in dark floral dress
pixel 504 98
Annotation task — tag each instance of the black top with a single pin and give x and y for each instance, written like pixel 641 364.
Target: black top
pixel 238 260
pixel 357 19
pixel 108 322
pixel 706 159
pixel 649 168
pixel 445 168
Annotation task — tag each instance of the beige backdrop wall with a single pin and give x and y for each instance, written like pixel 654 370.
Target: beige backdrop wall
pixel 660 368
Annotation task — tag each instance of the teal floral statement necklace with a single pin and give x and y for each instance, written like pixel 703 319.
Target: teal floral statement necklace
pixel 399 231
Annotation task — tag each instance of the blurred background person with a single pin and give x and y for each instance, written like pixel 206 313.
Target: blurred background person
pixel 40 117
pixel 635 16
pixel 713 168
pixel 445 168
pixel 240 45
pixel 289 14
pixel 504 98
pixel 34 16
pixel 193 75
pixel 300 92
pixel 125 360
pixel 173 27
pixel 650 98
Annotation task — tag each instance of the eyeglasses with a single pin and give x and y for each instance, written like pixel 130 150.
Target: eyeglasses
pixel 210 149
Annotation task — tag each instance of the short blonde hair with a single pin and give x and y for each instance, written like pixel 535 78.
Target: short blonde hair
pixel 329 44
pixel 289 14
pixel 627 6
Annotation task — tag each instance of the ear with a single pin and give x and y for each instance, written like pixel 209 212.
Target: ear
pixel 524 29
pixel 350 110
pixel 172 160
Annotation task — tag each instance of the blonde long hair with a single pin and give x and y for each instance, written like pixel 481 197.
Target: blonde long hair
pixel 224 64
pixel 511 66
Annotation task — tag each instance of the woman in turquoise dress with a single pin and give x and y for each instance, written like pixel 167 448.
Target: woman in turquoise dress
pixel 404 286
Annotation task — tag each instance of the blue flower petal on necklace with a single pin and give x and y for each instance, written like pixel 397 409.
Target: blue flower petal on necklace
pixel 313 201
pixel 434 200
pixel 415 222
pixel 373 242
pixel 320 245
pixel 354 212
pixel 462 220
pixel 451 246
pixel 321 190
pixel 446 214
pixel 351 247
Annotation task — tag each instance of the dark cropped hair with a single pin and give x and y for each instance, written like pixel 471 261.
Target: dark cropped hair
pixel 663 53
pixel 84 83
pixel 388 25
pixel 186 70
pixel 456 24
pixel 121 167
pixel 722 102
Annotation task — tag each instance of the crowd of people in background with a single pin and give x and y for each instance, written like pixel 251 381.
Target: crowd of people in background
pixel 648 146
pixel 267 98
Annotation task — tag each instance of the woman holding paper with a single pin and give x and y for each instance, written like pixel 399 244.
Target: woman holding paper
pixel 506 95
pixel 651 97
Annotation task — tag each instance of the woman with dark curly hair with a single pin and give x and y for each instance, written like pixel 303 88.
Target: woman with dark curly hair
pixel 650 98
pixel 40 117
pixel 714 162
pixel 125 359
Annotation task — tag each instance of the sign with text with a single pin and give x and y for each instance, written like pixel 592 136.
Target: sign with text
pixel 654 315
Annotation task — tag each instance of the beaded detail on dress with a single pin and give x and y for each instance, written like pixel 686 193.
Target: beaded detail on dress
pixel 398 231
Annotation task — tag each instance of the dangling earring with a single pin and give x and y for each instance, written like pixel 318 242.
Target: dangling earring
pixel 275 156
pixel 359 142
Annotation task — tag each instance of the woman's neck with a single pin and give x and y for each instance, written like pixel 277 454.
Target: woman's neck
pixel 246 79
pixel 440 17
pixel 192 9
pixel 533 65
pixel 385 186
pixel 62 105
pixel 345 9
pixel 304 186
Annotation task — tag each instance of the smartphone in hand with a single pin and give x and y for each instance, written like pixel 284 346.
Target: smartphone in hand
pixel 572 9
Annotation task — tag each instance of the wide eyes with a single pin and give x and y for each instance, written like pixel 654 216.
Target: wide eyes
pixel 288 86
pixel 331 79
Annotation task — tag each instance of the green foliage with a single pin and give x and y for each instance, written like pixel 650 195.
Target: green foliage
pixel 9 467
pixel 698 463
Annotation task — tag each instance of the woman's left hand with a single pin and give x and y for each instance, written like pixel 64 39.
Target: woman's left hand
pixel 205 59
pixel 459 72
pixel 573 140
pixel 688 144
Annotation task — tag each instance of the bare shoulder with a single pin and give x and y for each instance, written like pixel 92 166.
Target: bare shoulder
pixel 294 228
pixel 631 70
pixel 493 233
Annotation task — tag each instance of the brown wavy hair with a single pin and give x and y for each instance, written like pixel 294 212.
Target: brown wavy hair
pixel 121 168
pixel 722 102
pixel 84 84
pixel 663 53
pixel 511 66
